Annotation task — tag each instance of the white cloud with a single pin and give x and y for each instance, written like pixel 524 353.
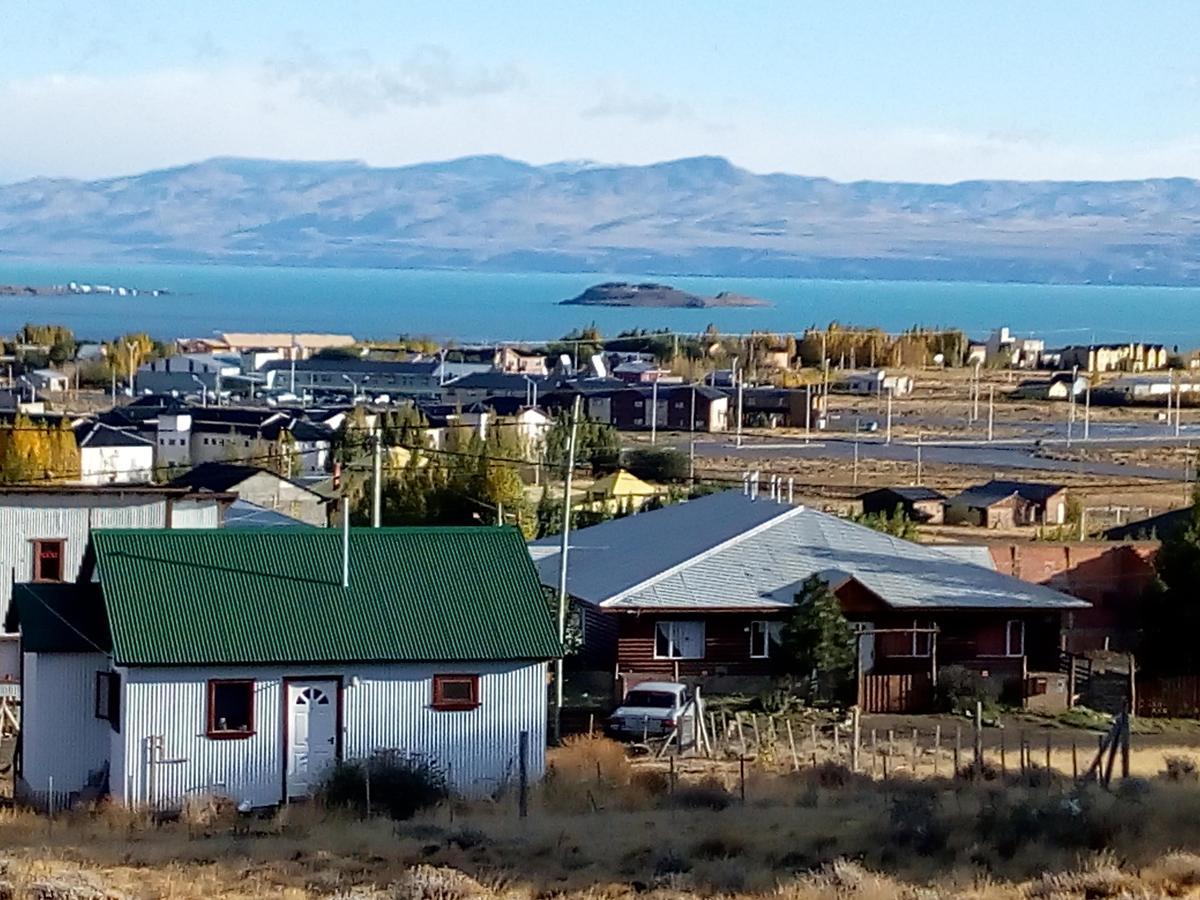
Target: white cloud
pixel 429 105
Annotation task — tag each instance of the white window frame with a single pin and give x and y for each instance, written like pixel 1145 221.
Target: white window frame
pixel 764 629
pixel 673 648
pixel 1008 637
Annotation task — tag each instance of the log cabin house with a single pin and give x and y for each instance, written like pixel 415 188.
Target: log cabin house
pixel 699 591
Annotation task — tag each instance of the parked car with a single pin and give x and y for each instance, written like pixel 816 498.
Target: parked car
pixel 653 709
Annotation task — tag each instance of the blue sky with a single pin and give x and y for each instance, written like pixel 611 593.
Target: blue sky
pixel 891 90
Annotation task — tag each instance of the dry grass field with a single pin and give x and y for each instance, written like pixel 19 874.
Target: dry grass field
pixel 601 827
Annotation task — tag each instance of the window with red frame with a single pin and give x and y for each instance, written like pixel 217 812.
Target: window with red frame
pixel 452 692
pixel 230 708
pixel 48 560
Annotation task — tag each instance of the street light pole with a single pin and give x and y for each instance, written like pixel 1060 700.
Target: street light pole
pixel 130 345
pixel 991 411
pixel 654 412
pixel 564 547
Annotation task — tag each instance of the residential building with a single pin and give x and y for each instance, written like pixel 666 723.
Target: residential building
pixel 1005 349
pixel 293 656
pixel 700 591
pixel 358 377
pixel 1154 388
pixel 1060 386
pixel 878 381
pixel 680 407
pixel 44 529
pixel 477 387
pixel 1152 528
pixel 1008 504
pixel 516 361
pixel 620 491
pixel 189 373
pixel 1100 358
pixel 109 455
pixel 641 371
pixel 920 504
pixel 260 486
pixel 779 407
pixel 302 345
pixel 48 381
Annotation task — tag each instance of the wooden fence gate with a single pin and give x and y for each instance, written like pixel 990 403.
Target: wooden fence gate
pixel 910 693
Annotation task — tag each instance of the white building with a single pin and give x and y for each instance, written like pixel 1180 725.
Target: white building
pixel 188 373
pixel 437 644
pixel 50 381
pixel 110 455
pixel 44 530
pixel 878 381
pixel 1005 349
pixel 262 487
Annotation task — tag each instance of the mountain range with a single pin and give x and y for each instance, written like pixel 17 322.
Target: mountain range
pixel 700 215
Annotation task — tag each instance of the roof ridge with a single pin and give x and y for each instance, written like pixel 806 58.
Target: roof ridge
pixel 787 513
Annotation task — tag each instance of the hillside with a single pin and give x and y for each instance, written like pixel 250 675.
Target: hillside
pixel 655 296
pixel 699 216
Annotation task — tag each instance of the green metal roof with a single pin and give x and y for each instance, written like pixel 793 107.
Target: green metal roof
pixel 196 597
pixel 59 618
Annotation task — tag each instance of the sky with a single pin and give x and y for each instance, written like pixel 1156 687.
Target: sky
pixel 915 91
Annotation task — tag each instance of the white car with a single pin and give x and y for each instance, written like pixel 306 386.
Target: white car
pixel 653 709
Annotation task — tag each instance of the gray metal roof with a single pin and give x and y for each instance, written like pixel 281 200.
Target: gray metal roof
pixel 729 552
pixel 244 514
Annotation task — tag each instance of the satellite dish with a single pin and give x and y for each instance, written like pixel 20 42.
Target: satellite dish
pixel 599 369
pixel 564 363
pixel 939 359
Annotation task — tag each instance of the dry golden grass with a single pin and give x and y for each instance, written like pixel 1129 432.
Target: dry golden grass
pixel 601 829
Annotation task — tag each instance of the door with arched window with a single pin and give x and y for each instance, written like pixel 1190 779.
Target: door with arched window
pixel 312 734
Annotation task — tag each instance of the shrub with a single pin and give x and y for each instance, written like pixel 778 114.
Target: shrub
pixel 1181 768
pixel 959 689
pixel 829 774
pixel 916 825
pixel 658 464
pixel 401 784
pixel 706 794
pixel 583 770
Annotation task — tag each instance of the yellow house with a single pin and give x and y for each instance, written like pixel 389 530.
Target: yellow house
pixel 619 490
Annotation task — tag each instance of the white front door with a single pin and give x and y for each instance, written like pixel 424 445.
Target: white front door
pixel 312 734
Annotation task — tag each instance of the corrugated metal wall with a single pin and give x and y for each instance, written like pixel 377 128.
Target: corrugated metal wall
pixel 27 517
pixel 388 707
pixel 60 733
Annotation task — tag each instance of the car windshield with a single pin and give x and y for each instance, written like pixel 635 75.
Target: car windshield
pixel 651 699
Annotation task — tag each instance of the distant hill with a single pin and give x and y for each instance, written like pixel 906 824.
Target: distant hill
pixel 690 216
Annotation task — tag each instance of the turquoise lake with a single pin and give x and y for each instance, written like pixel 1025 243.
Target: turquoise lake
pixel 469 306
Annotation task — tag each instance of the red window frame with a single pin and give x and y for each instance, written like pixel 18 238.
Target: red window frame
pixel 61 545
pixel 210 725
pixel 444 703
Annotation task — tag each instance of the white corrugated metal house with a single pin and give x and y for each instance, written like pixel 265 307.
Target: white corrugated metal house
pixel 240 662
pixel 109 455
pixel 44 529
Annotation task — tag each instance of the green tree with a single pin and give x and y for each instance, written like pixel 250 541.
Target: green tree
pixel 1170 613
pixel 662 464
pixel 818 642
pixel 898 524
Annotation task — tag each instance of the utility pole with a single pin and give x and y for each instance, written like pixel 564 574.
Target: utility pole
pixel 564 546
pixel 1071 405
pixel 130 345
pixel 889 416
pixel 377 479
pixel 855 482
pixel 807 413
pixel 991 411
pixel 975 395
pixel 1087 407
pixel 737 379
pixel 919 481
pixel 654 412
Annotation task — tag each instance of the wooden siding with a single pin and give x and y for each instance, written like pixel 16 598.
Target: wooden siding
pixel 726 645
pixel 910 693
pixel 1169 697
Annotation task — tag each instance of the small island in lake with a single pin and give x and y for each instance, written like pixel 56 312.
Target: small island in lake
pixel 656 296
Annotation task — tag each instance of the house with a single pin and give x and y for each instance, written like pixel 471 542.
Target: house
pixel 619 491
pixel 285 344
pixel 261 487
pixel 48 381
pixel 355 377
pixel 642 371
pixel 1008 504
pixel 920 504
pixel 521 362
pixel 781 407
pixel 1060 386
pixel 1005 349
pixel 428 641
pixel 1145 389
pixel 680 407
pixel 44 529
pixel 1156 527
pixel 1130 357
pixel 109 455
pixel 477 387
pixel 702 589
pixel 244 514
pixel 189 373
pixel 878 381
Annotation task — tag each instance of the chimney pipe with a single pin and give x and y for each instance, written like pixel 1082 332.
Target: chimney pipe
pixel 754 484
pixel 746 483
pixel 791 489
pixel 345 543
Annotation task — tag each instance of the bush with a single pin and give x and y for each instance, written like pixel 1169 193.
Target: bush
pixel 706 794
pixel 401 784
pixel 959 689
pixel 659 464
pixel 1181 768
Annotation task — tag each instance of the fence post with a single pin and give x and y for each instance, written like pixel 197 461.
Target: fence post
pixel 523 775
pixel 742 778
pixel 913 757
pixel 1003 755
pixel 1049 756
pixel 978 739
pixel 1132 685
pixel 1125 748
pixel 1074 761
pixel 937 750
pixel 837 744
pixel 792 746
pixel 957 750
pixel 856 738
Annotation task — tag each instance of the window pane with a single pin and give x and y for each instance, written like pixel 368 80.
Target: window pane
pixel 758 640
pixel 48 561
pixel 689 640
pixel 456 690
pixel 1016 638
pixel 662 639
pixel 232 706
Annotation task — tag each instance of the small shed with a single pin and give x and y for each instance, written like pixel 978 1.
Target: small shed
pixel 244 663
pixel 921 504
pixel 620 490
pixel 1005 504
